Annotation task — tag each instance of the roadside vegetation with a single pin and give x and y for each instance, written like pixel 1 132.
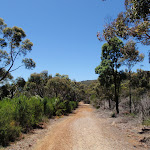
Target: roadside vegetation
pixel 124 91
pixel 21 114
pixel 104 97
pixel 24 104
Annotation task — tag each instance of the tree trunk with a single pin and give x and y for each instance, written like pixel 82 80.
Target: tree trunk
pixel 109 103
pixel 116 93
pixel 130 101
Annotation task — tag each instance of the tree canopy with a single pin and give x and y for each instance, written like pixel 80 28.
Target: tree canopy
pixel 134 22
pixel 13 45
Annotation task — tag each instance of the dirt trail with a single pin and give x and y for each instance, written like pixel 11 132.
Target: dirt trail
pixel 83 130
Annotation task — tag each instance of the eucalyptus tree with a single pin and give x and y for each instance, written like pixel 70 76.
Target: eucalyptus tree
pixel 133 23
pixel 4 91
pixel 130 57
pixel 138 9
pixel 17 87
pixel 37 82
pixel 12 46
pixel 105 78
pixel 8 78
pixel 13 88
pixel 111 56
pixel 58 87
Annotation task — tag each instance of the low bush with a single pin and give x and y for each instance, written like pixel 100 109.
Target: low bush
pixel 28 111
pixel 61 108
pixel 9 129
pixel 48 107
pixel 73 105
pixel 65 107
pixel 22 114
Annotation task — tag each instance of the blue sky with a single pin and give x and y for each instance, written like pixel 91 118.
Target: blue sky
pixel 64 34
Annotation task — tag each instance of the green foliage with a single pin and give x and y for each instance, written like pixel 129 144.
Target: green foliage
pixel 110 62
pixel 18 114
pixel 137 9
pixel 55 106
pixel 49 106
pixel 2 24
pixel 31 102
pixel 28 111
pixel 15 46
pixel 65 107
pixel 134 23
pixel 71 106
pixel 131 55
pixel 60 87
pixel 14 89
pixel 3 71
pixel 28 63
pixel 36 84
pixel 60 108
pixel 9 128
pixel 140 79
pixel 23 114
pixel 37 109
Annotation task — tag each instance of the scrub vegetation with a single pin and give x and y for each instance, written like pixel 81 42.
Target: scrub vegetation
pixel 24 104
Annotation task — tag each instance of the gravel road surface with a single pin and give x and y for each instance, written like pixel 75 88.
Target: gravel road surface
pixel 83 130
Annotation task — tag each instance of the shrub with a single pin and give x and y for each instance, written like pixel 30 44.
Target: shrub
pixel 48 107
pixel 72 105
pixel 65 107
pixel 9 129
pixel 23 113
pixel 59 112
pixel 28 111
pixel 60 108
pixel 37 108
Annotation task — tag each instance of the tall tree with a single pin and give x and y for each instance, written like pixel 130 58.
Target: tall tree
pixel 37 82
pixel 12 46
pixel 111 56
pixel 130 57
pixel 134 22
pixel 59 87
pixel 138 9
pixel 105 78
